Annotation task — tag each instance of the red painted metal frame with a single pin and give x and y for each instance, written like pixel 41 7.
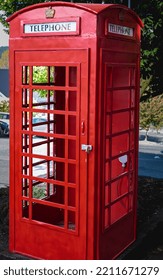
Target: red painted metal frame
pixel 107 118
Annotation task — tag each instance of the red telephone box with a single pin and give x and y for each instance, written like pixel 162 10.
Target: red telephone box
pixel 74 91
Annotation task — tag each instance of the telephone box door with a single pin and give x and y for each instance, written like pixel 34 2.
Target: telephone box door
pixel 50 167
pixel 120 149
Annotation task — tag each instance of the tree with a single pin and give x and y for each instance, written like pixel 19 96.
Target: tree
pixel 152 51
pixel 11 6
pixel 151 113
pixel 4 61
pixel 4 106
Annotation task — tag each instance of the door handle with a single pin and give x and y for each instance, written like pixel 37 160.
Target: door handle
pixel 86 148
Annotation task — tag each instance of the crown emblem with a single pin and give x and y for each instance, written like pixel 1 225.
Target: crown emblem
pixel 50 12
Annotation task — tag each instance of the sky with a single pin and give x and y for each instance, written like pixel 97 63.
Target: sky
pixel 3 37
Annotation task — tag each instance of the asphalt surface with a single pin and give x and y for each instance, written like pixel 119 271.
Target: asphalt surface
pixel 4 161
pixel 150 159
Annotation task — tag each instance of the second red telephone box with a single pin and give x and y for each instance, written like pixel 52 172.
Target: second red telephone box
pixel 74 92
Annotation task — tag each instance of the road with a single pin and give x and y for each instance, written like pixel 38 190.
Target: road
pixel 4 161
pixel 150 160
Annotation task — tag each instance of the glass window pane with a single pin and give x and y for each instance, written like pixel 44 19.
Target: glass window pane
pixel 60 100
pixel 119 209
pixel 71 149
pixel 60 75
pixel 121 99
pixel 72 101
pixel 71 220
pixel 47 214
pixel 121 76
pixel 72 125
pixel 72 173
pixel 119 188
pixel 40 75
pixel 72 76
pixel 71 197
pixel 25 209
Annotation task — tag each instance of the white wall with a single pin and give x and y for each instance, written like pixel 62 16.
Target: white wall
pixel 4 38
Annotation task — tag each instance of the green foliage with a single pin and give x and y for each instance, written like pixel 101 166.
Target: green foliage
pixel 4 106
pixel 151 12
pixel 40 76
pixel 151 113
pixel 4 60
pixel 11 6
pixel 38 192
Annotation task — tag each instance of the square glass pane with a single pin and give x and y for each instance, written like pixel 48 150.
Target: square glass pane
pixel 71 220
pixel 120 144
pixel 56 193
pixel 60 75
pixel 72 100
pixel 60 124
pixel 25 209
pixel 121 76
pixel 39 190
pixel 119 209
pixel 119 188
pixel 121 99
pixel 60 100
pixel 72 125
pixel 60 171
pixel 72 173
pixel 72 149
pixel 120 121
pixel 40 75
pixel 72 76
pixel 71 197
pixel 48 214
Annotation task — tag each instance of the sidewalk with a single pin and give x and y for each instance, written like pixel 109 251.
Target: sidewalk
pixel 152 136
